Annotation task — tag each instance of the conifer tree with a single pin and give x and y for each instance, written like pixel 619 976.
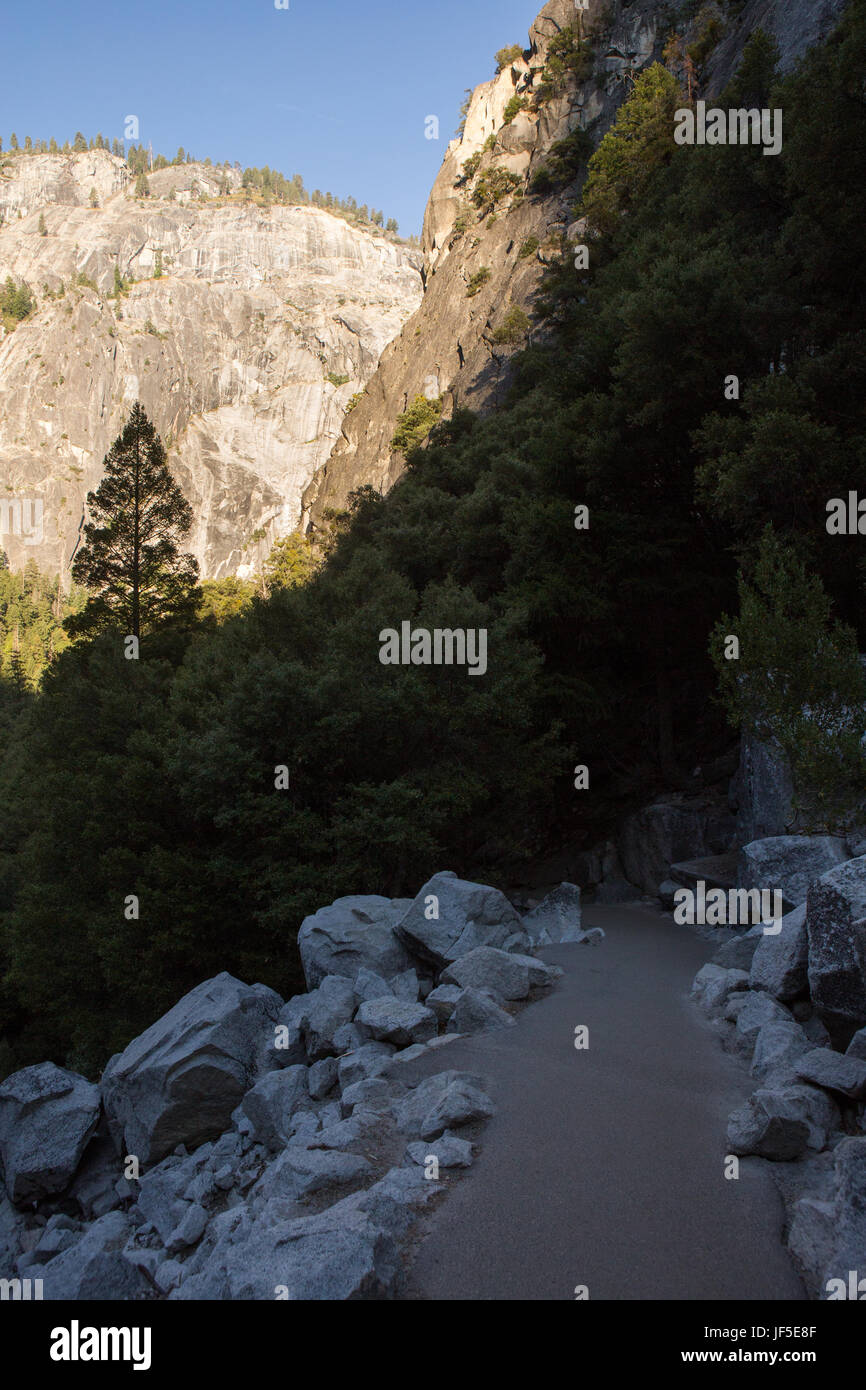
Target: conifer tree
pixel 131 558
pixel 640 139
pixel 16 671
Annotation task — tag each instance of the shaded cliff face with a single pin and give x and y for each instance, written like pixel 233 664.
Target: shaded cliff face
pixel 449 348
pixel 229 350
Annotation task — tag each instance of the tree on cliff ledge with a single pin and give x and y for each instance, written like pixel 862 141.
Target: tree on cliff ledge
pixel 131 558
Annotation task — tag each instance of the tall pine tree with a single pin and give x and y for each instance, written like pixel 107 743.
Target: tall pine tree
pixel 131 558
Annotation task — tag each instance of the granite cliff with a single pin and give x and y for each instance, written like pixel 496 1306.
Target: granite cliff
pixel 235 319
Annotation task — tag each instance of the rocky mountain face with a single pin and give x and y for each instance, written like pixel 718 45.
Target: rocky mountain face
pixel 230 348
pixel 449 347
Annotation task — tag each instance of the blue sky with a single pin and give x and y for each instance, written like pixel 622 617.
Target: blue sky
pixel 336 90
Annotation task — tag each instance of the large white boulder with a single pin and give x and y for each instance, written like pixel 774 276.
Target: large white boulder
pixel 780 963
pixel 327 1009
pixel 849 1216
pixel 368 1060
pixel 443 1101
pixel 778 1048
pixel 353 933
pixel 267 1109
pixel 47 1116
pixel 300 1170
pixel 790 863
pixel 450 917
pixel 179 1082
pixel 834 1072
pixel 348 1252
pixel 487 968
pixel 335 1256
pixel 758 1010
pixel 476 1011
pixel 828 1226
pixel 713 984
pixel 395 1021
pixel 738 953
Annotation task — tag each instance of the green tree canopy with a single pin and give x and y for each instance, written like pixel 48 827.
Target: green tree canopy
pixel 291 562
pixel 415 423
pixel 640 140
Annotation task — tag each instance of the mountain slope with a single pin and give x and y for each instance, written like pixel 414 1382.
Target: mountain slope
pixel 449 347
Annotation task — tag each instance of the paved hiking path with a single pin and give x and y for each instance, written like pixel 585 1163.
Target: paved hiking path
pixel 605 1167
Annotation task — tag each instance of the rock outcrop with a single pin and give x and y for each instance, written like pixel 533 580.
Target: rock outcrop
pixel 230 348
pixel 670 830
pixel 556 918
pixel 762 792
pixel 780 963
pixel 236 349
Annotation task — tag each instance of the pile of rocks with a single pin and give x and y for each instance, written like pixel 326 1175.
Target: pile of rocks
pixel 792 1002
pixel 248 1148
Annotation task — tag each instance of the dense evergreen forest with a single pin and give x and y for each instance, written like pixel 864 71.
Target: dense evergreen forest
pixel 156 777
pixel 32 612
